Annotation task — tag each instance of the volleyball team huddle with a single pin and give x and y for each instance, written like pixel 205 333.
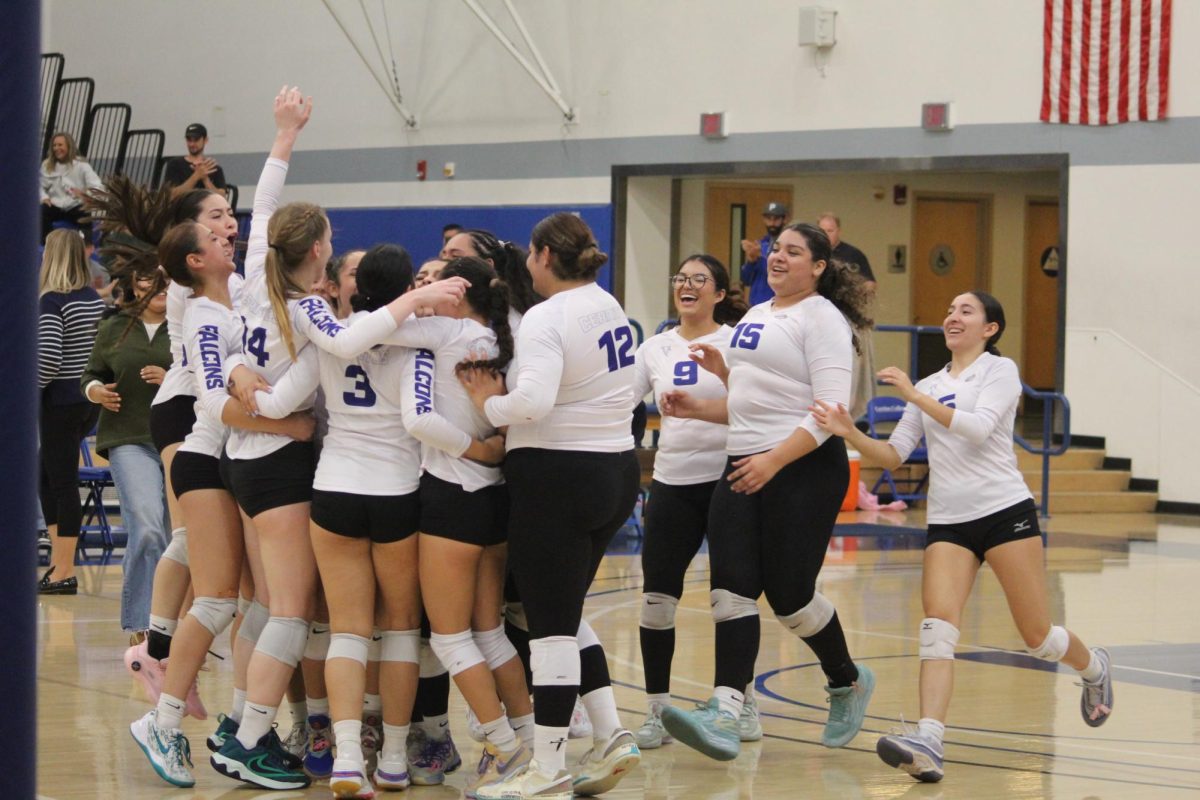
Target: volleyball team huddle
pixel 477 459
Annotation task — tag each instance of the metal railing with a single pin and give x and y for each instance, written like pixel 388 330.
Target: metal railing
pixel 1047 449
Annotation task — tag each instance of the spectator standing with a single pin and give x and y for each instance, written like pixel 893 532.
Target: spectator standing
pixel 754 270
pixel 65 177
pixel 195 170
pixel 68 312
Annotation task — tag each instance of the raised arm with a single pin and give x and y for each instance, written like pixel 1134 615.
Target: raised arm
pixel 292 112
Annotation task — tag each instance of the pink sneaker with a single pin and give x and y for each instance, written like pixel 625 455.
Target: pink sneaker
pixel 147 670
pixel 195 708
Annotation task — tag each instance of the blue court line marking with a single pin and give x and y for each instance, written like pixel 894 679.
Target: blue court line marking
pixel 798 740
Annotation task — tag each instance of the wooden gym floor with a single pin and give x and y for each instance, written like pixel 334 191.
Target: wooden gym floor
pixel 1130 582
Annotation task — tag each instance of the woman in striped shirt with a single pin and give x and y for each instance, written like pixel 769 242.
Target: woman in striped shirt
pixel 68 314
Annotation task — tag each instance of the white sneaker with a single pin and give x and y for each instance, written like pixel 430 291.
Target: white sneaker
pixel 392 773
pixel 166 748
pixel 748 725
pixel 598 773
pixel 581 726
pixel 296 742
pixel 528 784
pixel 496 766
pixel 652 734
pixel 349 780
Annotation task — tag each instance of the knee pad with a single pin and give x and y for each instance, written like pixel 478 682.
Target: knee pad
pixel 456 651
pixel 555 661
pixel 658 611
pixel 283 639
pixel 497 650
pixel 347 645
pixel 1055 646
pixel 586 637
pixel 431 667
pixel 726 605
pixel 254 619
pixel 177 549
pixel 938 640
pixel 214 613
pixel 810 620
pixel 318 642
pixel 243 606
pixel 514 614
pixel 401 646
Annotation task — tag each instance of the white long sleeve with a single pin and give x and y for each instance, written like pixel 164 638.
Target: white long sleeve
pixel 294 390
pixel 418 403
pixel 266 200
pixel 1000 390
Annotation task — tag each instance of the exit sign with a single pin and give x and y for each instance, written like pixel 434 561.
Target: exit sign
pixel 936 117
pixel 712 126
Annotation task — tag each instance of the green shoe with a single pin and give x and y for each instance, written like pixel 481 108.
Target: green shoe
pixel 226 728
pixel 705 728
pixel 847 708
pixel 260 765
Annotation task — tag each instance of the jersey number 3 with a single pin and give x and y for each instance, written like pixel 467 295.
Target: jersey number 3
pixel 745 335
pixel 363 396
pixel 617 345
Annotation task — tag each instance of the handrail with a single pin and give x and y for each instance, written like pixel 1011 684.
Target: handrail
pixel 1049 399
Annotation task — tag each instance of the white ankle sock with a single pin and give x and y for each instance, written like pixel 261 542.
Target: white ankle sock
pixel 299 711
pixel 601 706
pixel 169 711
pixel 1094 670
pixel 657 702
pixel 931 728
pixel 436 727
pixel 729 699
pixel 318 707
pixel 372 705
pixel 256 721
pixel 395 740
pixel 348 735
pixel 500 733
pixel 239 705
pixel 523 727
pixel 163 625
pixel 550 749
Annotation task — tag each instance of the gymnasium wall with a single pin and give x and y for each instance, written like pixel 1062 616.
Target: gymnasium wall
pixel 639 74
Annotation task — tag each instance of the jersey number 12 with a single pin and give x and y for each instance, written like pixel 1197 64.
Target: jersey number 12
pixel 617 345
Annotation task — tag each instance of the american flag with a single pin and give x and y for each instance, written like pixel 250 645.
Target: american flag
pixel 1106 61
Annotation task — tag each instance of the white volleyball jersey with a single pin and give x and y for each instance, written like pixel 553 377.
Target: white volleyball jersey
pixel 432 396
pixel 211 333
pixel 972 466
pixel 570 386
pixel 689 450
pixel 779 362
pixel 366 449
pixel 178 380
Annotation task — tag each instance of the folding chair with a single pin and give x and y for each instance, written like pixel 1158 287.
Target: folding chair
pixel 96 530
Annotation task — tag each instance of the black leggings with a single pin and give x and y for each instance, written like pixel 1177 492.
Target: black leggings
pixel 676 518
pixel 566 507
pixel 60 430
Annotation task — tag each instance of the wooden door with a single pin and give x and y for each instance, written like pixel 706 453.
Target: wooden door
pixel 949 257
pixel 1039 366
pixel 733 213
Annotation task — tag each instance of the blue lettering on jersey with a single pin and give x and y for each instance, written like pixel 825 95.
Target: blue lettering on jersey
pixel 423 381
pixel 210 357
pixel 948 400
pixel 318 314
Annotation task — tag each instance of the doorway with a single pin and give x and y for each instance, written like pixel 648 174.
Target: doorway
pixel 1042 274
pixel 733 213
pixel 951 236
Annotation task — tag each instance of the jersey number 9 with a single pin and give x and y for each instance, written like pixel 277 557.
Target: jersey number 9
pixel 686 373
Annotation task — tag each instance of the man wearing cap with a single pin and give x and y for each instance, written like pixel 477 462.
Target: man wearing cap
pixel 754 270
pixel 195 170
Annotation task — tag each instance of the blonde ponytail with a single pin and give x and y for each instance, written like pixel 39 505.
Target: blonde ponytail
pixel 291 233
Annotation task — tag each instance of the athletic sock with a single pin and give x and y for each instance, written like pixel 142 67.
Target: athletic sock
pixel 601 706
pixel 931 728
pixel 1094 671
pixel 299 710
pixel 657 702
pixel 372 705
pixel 729 700
pixel 436 727
pixel 158 637
pixel 658 648
pixel 347 733
pixel 550 749
pixel 523 727
pixel 395 739
pixel 318 707
pixel 500 733
pixel 239 705
pixel 829 644
pixel 169 711
pixel 256 721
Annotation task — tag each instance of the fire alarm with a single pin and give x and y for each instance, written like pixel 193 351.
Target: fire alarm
pixel 422 169
pixel 712 125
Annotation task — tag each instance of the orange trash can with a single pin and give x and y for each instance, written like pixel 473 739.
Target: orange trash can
pixel 850 502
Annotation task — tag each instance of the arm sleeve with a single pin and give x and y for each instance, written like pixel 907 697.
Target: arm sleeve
pixel 642 383
pixel 98 369
pixel 427 332
pixel 997 396
pixel 50 336
pixel 90 179
pixel 750 270
pixel 313 319
pixel 906 436
pixel 535 387
pixel 827 348
pixel 266 200
pixel 208 364
pixel 423 421
pixel 296 386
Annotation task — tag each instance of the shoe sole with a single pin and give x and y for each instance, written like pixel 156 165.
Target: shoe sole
pixel 697 741
pixel 234 769
pixel 347 787
pixel 842 742
pixel 427 780
pixel 753 736
pixel 918 765
pixel 156 767
pixel 617 771
pixel 1096 723
pixel 390 785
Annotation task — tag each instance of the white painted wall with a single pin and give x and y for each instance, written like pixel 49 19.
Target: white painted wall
pixel 647 250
